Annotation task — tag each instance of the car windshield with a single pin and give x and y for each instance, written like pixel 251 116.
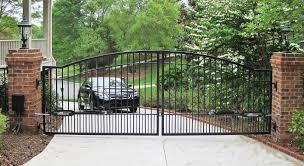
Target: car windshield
pixel 108 82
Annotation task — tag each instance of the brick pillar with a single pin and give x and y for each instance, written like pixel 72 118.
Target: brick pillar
pixel 287 95
pixel 23 71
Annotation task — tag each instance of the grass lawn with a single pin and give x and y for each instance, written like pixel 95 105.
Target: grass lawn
pixel 149 76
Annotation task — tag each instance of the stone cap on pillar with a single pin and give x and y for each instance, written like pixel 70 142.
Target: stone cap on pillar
pixel 287 60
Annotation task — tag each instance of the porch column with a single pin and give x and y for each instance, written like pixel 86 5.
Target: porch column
pixel 47 25
pixel 27 13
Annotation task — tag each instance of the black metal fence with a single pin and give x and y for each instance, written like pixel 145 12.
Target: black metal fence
pixel 145 92
pixel 3 90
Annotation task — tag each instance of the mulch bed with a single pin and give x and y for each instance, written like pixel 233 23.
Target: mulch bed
pixel 288 148
pixel 17 149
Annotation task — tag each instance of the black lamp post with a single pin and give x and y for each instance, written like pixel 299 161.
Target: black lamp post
pixel 25 30
pixel 286 32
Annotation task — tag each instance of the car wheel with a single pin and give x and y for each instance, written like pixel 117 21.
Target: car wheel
pixel 91 104
pixel 133 109
pixel 80 107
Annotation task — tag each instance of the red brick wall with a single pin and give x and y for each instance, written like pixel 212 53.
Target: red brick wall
pixel 288 72
pixel 23 71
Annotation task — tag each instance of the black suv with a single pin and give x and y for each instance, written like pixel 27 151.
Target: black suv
pixel 107 93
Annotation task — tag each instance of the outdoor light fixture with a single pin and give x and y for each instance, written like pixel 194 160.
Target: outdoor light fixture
pixel 25 30
pixel 286 32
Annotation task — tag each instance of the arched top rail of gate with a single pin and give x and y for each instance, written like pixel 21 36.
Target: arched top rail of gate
pixel 160 53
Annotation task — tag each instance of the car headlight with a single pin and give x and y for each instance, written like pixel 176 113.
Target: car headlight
pixel 134 94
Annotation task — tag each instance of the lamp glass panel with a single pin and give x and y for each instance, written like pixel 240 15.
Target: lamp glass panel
pixel 27 32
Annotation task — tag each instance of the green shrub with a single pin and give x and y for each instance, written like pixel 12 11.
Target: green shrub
pixel 148 97
pixel 176 75
pixel 50 98
pixel 3 92
pixel 2 123
pixel 177 99
pixel 297 128
pixel 172 99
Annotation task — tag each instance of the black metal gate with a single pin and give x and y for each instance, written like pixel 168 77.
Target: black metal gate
pixel 145 92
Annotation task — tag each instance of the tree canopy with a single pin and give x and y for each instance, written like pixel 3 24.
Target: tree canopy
pixel 8 24
pixel 99 26
pixel 246 31
pixel 9 14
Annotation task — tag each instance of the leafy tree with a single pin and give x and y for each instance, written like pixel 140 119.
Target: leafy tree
pixel 275 15
pixel 8 24
pixel 99 26
pixel 216 27
pixel 8 27
pixel 145 24
pixel 37 32
pixel 85 32
pixel 246 31
pixel 67 22
pixel 9 9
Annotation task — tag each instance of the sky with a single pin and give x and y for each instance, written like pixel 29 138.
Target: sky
pixel 38 6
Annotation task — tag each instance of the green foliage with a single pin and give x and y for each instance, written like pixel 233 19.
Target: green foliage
pixel 149 78
pixel 245 31
pixel 172 100
pixel 216 24
pixel 175 75
pixel 8 27
pixel 92 27
pixel 275 15
pixel 145 24
pixel 37 32
pixel 3 92
pixel 8 23
pixel 3 121
pixel 66 24
pixel 51 99
pixel 297 128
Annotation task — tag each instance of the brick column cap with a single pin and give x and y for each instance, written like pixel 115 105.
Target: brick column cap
pixel 29 50
pixel 290 60
pixel 24 55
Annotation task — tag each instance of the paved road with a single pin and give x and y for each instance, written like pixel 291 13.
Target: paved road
pixel 72 150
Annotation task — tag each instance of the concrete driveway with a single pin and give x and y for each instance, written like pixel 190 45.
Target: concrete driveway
pixel 73 150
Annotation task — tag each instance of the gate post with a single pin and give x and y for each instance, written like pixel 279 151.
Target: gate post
pixel 287 95
pixel 23 75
